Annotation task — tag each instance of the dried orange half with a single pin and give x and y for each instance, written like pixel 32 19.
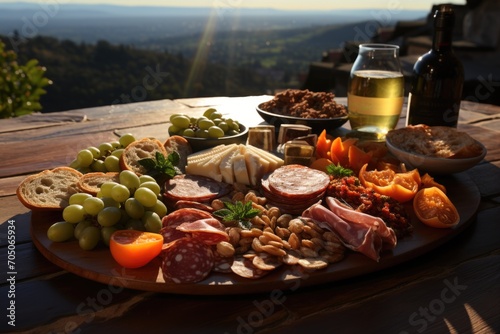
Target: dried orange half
pixel 434 208
pixel 134 249
pixel 400 186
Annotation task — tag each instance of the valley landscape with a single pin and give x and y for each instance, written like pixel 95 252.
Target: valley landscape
pixel 101 55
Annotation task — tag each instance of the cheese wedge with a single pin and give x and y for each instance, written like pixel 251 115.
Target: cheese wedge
pixel 240 169
pixel 226 165
pixel 254 167
pixel 274 161
pixel 208 163
pixel 234 163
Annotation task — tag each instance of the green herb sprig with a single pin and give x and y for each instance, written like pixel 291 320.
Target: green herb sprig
pixel 162 167
pixel 338 171
pixel 238 212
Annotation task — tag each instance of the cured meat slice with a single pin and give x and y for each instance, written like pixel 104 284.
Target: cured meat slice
pixel 209 231
pixel 293 202
pixel 192 204
pixel 171 233
pixel 297 181
pixel 358 237
pixel 187 261
pixel 222 264
pixel 194 188
pixel 177 217
pixel 387 234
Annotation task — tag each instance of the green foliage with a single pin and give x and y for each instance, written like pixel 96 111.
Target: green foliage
pixel 102 74
pixel 21 86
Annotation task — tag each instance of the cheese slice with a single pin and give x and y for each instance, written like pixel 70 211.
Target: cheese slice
pixel 234 163
pixel 255 168
pixel 271 161
pixel 206 154
pixel 207 164
pixel 240 169
pixel 226 165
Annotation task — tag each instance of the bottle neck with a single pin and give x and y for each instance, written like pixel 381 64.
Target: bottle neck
pixel 444 20
pixel 442 40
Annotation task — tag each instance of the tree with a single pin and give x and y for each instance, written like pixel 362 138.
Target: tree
pixel 21 86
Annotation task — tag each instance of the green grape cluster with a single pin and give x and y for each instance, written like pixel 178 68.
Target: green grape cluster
pixel 211 125
pixel 132 203
pixel 104 158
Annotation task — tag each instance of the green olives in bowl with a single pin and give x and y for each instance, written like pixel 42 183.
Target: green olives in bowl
pixel 207 131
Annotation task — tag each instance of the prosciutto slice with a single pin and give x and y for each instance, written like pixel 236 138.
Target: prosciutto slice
pixel 386 233
pixel 357 232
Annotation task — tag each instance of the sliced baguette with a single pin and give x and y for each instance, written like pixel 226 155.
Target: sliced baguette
pixel 50 189
pixel 180 145
pixel 91 182
pixel 140 149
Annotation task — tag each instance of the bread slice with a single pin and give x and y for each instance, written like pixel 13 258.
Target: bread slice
pixel 50 189
pixel 91 182
pixel 180 145
pixel 138 150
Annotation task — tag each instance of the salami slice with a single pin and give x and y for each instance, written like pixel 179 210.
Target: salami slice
pixel 222 264
pixel 171 233
pixel 297 181
pixel 194 188
pixel 292 205
pixel 209 231
pixel 177 217
pixel 187 261
pixel 192 204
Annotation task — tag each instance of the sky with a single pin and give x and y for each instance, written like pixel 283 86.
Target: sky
pixel 277 4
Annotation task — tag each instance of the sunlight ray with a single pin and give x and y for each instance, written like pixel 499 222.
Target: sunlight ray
pixel 479 324
pixel 200 59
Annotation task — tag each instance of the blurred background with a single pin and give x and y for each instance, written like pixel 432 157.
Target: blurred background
pixel 89 54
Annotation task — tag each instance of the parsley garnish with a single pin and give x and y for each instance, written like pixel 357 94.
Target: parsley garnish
pixel 338 171
pixel 238 212
pixel 161 167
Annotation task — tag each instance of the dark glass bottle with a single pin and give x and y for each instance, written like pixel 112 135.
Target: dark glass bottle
pixel 438 76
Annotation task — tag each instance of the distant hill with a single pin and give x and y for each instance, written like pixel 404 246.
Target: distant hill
pixel 129 25
pixel 101 55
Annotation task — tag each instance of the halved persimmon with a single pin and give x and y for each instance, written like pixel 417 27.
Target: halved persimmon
pixel 433 208
pixel 134 249
pixel 400 186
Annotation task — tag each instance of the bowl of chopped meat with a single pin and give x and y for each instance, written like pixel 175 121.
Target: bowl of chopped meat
pixel 318 110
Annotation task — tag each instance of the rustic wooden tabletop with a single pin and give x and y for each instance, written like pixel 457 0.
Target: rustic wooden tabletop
pixel 452 288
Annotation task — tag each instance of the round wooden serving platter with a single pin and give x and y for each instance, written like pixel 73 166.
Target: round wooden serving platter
pixel 98 264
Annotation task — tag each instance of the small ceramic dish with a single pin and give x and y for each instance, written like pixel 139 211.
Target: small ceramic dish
pixel 435 165
pixel 198 144
pixel 317 124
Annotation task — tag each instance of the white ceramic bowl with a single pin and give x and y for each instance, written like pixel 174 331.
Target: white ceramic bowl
pixel 434 165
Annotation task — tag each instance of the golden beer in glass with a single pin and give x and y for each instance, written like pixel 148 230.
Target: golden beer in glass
pixel 375 91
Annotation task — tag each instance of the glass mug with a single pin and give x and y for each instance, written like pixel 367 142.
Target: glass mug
pixel 375 91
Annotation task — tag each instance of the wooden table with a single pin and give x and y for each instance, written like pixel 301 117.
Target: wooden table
pixel 455 288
